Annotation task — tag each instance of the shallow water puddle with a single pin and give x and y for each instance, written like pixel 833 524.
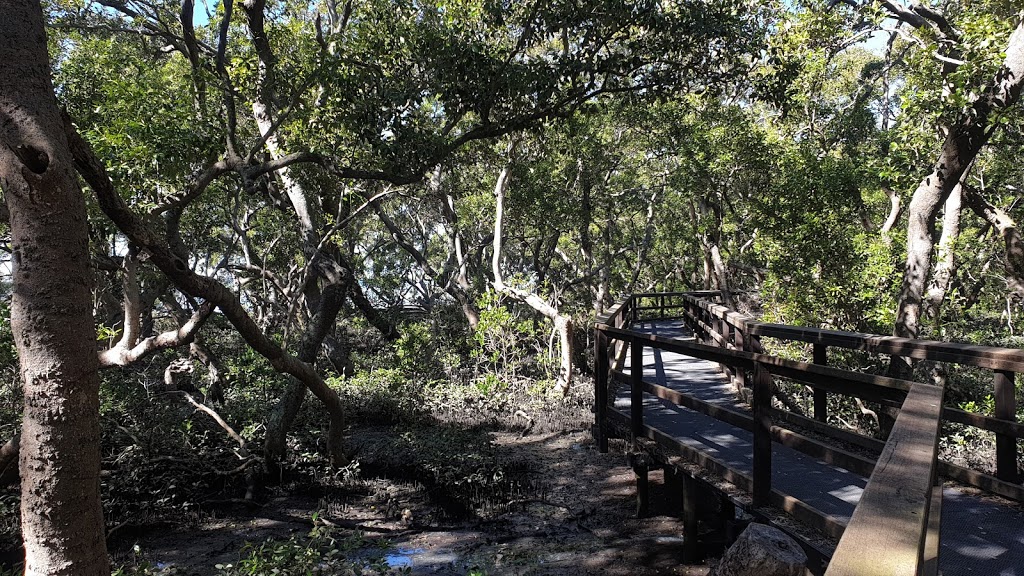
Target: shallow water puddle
pixel 419 558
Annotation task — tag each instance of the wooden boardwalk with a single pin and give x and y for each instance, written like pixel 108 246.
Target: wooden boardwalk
pixel 980 534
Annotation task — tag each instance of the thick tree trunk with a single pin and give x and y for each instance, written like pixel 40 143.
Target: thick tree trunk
pixel 62 520
pixel 959 150
pixel 945 266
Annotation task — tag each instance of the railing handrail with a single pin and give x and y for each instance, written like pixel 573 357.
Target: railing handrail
pixel 979 355
pixel 909 458
pixel 889 531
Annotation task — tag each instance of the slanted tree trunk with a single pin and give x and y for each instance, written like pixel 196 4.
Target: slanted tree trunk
pixel 287 408
pixel 1013 245
pixel 961 146
pixel 326 260
pixel 563 323
pixel 185 279
pixel 62 520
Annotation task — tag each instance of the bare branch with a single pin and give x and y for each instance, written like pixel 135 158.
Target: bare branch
pixel 220 422
pixel 122 355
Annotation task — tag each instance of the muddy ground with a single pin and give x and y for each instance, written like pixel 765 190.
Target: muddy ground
pixel 577 515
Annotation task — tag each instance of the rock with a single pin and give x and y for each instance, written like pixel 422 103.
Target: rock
pixel 762 550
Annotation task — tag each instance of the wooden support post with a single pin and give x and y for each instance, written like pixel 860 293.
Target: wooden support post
pixel 636 392
pixel 643 490
pixel 726 510
pixel 1006 409
pixel 690 519
pixel 674 491
pixel 929 560
pixel 601 363
pixel 741 344
pixel 762 399
pixel 820 396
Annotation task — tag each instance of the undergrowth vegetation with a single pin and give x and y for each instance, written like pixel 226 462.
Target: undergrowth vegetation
pixel 420 410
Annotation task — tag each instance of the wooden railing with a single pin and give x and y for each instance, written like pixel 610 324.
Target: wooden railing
pixel 727 328
pixel 899 509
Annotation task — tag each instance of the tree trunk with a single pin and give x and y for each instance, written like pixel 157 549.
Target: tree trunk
pixel 959 150
pixel 9 460
pixel 283 415
pixel 62 520
pixel 945 267
pixel 563 323
pixel 1013 245
pixel 185 279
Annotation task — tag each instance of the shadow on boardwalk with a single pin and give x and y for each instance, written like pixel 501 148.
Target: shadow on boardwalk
pixel 981 534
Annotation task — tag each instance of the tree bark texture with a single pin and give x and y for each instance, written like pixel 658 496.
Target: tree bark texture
pixel 960 148
pixel 283 415
pixel 945 265
pixel 51 311
pixel 9 461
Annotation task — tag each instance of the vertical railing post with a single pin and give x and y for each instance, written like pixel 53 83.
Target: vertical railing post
pixel 636 391
pixel 1006 409
pixel 762 398
pixel 691 522
pixel 820 396
pixel 601 364
pixel 741 344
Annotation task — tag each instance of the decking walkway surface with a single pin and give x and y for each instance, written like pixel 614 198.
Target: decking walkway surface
pixel 980 535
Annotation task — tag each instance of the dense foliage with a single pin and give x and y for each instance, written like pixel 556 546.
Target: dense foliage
pixel 354 153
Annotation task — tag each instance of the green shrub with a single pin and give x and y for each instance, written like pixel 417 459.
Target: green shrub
pixel 322 552
pixel 384 395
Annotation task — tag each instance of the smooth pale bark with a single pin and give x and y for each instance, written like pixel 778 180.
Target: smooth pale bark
pixel 894 213
pixel 325 266
pixel 960 148
pixel 562 322
pixel 51 311
pixel 461 286
pixel 645 244
pixel 457 289
pixel 945 265
pixel 715 271
pixel 132 347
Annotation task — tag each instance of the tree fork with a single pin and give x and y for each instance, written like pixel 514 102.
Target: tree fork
pixel 959 150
